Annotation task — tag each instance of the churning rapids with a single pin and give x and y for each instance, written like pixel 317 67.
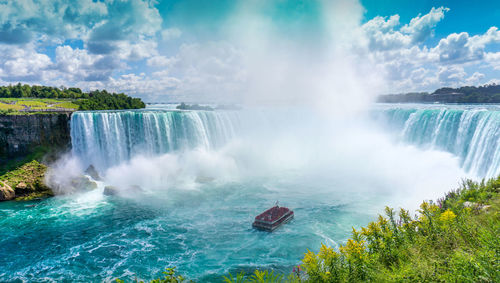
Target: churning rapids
pixel 205 175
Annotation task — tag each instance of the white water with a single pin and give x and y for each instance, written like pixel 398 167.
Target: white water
pixel 204 184
pixel 185 149
pixel 470 132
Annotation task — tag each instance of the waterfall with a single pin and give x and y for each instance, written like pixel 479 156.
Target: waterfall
pixel 107 138
pixel 472 134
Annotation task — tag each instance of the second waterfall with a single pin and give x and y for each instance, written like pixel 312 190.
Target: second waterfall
pixel 106 138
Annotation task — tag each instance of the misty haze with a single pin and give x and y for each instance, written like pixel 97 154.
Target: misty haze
pixel 249 141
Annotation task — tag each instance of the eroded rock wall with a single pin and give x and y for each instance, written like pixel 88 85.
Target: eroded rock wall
pixel 20 134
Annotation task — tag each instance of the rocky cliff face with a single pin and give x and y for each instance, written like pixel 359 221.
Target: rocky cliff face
pixel 20 134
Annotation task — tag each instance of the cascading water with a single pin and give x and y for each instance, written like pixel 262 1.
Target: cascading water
pixel 471 133
pixel 109 138
pixel 205 175
pixel 106 139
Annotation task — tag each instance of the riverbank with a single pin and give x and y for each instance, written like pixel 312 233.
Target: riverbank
pixel 451 240
pixel 25 183
pixel 454 239
pixel 24 138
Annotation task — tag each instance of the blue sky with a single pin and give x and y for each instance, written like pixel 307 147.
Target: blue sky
pixel 194 50
pixel 474 17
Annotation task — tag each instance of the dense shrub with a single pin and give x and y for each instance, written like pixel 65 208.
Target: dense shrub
pixel 102 100
pixel 453 240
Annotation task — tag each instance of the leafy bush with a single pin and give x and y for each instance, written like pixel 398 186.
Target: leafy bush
pixel 171 276
pixel 102 100
pixel 453 240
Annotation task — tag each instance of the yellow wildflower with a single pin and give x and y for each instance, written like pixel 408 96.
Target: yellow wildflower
pixel 447 216
pixel 309 257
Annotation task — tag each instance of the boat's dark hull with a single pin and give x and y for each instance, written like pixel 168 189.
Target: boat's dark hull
pixel 271 226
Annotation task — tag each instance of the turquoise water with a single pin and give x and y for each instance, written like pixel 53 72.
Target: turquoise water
pixel 205 233
pixel 206 175
pixel 470 132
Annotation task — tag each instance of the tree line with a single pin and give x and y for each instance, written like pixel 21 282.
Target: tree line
pixel 92 100
pixel 466 94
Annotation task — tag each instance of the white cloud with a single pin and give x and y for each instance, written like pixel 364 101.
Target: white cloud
pixel 382 36
pixel 22 64
pixel 171 33
pixel 474 78
pixel 24 21
pixel 160 61
pixel 421 27
pixel 493 82
pixel 76 65
pixel 458 48
pixel 493 59
pixel 123 36
pixel 491 36
pixel 408 64
pixel 151 89
pixel 451 75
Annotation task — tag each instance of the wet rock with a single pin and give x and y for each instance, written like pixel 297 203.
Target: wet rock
pixel 92 172
pixel 21 186
pixel 6 192
pixel 127 191
pixel 134 189
pixel 83 183
pixel 110 191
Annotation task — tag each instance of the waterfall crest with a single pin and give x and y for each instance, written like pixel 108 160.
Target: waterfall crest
pixel 107 138
pixel 472 134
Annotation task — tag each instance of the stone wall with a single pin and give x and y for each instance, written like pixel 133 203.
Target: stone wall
pixel 20 134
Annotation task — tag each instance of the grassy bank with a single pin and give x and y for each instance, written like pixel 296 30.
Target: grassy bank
pixel 28 105
pixel 38 154
pixel 452 240
pixel 22 99
pixel 27 181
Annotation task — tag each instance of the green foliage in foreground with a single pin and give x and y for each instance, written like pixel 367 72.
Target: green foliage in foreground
pixel 445 242
pixel 170 277
pixel 453 240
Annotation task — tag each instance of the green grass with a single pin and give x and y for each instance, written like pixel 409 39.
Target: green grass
pixel 13 106
pixel 32 174
pixel 67 104
pixel 31 103
pixel 8 99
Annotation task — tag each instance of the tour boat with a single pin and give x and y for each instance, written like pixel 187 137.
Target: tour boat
pixel 272 218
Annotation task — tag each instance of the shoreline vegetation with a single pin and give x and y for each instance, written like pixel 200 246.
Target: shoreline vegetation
pixel 25 99
pixel 25 182
pixel 466 94
pixel 26 167
pixel 454 239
